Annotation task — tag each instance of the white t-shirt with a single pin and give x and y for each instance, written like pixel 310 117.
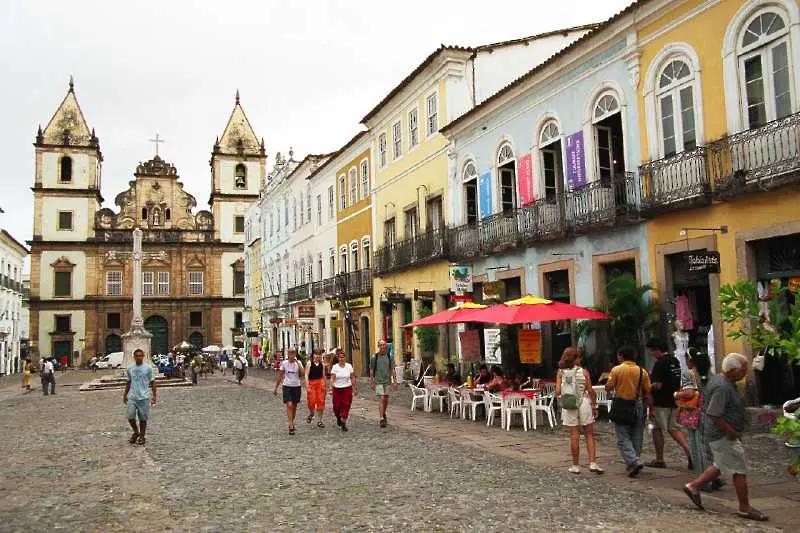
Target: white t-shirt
pixel 341 375
pixel 48 367
pixel 291 373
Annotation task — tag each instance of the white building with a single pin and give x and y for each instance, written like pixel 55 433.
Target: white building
pixel 12 256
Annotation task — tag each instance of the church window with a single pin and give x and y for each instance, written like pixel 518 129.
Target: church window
pixel 144 213
pixel 238 282
pixel 113 320
pixel 163 283
pixel 65 220
pixel 195 283
pixel 238 224
pixel 196 319
pixel 63 323
pixel 66 169
pixel 114 282
pixel 147 283
pixel 240 176
pixel 62 287
pixel 167 214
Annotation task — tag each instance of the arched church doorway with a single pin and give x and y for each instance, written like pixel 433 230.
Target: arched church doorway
pixel 113 343
pixel 158 327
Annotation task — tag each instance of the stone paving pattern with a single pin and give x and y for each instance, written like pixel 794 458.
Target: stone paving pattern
pixel 218 458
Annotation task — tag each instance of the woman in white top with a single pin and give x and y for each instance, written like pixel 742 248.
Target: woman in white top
pixel 574 380
pixel 289 375
pixel 343 386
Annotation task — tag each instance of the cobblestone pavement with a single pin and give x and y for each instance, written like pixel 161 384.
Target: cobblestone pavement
pixel 219 458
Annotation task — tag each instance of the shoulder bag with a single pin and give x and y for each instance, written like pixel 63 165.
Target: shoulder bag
pixel 626 412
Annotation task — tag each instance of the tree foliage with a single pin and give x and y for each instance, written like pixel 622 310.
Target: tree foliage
pixel 428 337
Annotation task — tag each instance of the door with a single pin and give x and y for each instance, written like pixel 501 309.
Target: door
pixel 61 348
pixel 157 326
pixel 365 344
pixel 113 343
pixel 196 340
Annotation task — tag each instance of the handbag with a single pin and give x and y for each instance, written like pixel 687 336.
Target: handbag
pixel 688 414
pixel 627 412
pixel 694 401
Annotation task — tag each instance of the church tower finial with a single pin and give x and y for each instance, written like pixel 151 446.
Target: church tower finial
pixel 71 83
pixel 237 96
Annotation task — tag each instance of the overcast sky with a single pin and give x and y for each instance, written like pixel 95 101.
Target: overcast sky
pixel 307 72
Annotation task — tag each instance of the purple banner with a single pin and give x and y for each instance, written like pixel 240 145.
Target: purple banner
pixel 576 164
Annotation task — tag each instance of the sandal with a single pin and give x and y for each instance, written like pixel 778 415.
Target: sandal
pixel 309 419
pixel 655 464
pixel 754 514
pixel 133 438
pixel 694 496
pixel 320 424
pixel 291 431
pixel 140 440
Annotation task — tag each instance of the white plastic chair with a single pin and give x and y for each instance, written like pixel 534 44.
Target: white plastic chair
pixel 516 404
pixel 418 394
pixel 548 388
pixel 469 405
pixel 492 403
pixel 543 404
pixel 438 395
pixel 453 396
pixel 602 397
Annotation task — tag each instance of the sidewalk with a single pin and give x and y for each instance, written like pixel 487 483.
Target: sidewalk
pixel 776 493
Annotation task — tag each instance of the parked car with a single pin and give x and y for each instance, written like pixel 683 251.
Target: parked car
pixel 112 360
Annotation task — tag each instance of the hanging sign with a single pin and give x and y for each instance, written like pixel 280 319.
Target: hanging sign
pixel 460 279
pixel 491 343
pixel 470 345
pixel 703 262
pixel 576 164
pixel 306 311
pixel 525 178
pixel 530 346
pixel 485 193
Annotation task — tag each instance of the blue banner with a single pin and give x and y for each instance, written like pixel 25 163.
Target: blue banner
pixel 485 194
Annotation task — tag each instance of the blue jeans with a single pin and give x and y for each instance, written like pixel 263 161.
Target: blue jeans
pixel 629 440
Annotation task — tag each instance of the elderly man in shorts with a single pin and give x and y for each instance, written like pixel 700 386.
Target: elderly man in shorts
pixel 724 423
pixel 381 377
pixel 140 394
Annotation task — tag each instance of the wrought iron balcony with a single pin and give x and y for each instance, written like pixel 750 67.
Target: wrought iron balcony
pixel 283 299
pixel 463 242
pixel 316 289
pixel 542 220
pixel 499 232
pixel 410 252
pixel 299 293
pixel 268 302
pixel 603 203
pixel 675 182
pixel 356 283
pixel 759 159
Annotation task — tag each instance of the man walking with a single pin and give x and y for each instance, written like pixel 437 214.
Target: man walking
pixel 630 384
pixel 666 381
pixel 724 423
pixel 223 361
pixel 381 377
pixel 49 377
pixel 140 394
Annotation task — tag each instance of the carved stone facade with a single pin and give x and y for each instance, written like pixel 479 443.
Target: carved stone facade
pixel 81 298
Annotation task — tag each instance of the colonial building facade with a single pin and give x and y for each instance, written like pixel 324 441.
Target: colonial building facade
pixel 80 302
pixel 13 328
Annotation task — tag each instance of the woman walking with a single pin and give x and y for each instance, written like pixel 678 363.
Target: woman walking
pixel 343 387
pixel 27 368
pixel 578 407
pixel 315 388
pixel 690 401
pixel 289 374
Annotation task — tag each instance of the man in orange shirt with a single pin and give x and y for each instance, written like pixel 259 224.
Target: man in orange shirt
pixel 628 381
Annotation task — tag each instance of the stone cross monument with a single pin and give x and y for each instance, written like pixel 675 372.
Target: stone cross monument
pixel 137 338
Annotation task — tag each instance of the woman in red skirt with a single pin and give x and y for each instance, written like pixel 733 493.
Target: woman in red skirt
pixel 343 387
pixel 315 387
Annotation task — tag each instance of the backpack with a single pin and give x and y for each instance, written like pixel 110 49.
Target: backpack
pixel 571 400
pixel 374 363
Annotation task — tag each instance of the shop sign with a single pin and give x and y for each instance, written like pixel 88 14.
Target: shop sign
pixel 336 323
pixel 470 341
pixel 491 343
pixel 460 279
pixel 252 334
pixel 306 311
pixel 352 303
pixel 275 320
pixel 530 346
pixel 395 298
pixel 703 262
pixel 424 295
pixel 290 322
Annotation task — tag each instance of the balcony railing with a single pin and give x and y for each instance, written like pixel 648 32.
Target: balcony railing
pixel 602 203
pixel 283 299
pixel 268 302
pixel 756 160
pixel 355 283
pixel 324 288
pixel 499 232
pixel 463 241
pixel 675 182
pixel 300 293
pixel 415 251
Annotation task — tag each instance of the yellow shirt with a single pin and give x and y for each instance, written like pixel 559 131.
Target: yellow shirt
pixel 625 377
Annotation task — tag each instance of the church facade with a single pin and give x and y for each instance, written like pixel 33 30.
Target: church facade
pixel 80 303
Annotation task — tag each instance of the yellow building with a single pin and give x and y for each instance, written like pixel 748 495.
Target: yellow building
pixel 719 97
pixel 254 293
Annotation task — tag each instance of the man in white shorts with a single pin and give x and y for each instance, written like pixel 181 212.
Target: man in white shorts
pixel 381 378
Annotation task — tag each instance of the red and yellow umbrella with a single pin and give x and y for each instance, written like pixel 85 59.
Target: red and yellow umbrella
pixel 534 309
pixel 455 315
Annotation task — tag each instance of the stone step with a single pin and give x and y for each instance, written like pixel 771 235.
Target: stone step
pixel 113 382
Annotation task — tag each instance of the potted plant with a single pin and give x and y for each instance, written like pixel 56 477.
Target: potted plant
pixel 428 338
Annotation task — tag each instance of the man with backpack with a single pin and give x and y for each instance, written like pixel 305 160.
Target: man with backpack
pixel 666 381
pixel 381 377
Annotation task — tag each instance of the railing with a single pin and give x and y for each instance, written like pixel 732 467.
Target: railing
pixel 675 182
pixel 409 252
pixel 299 293
pixel 542 220
pixel 463 241
pixel 600 203
pixel 283 299
pixel 758 159
pixel 356 283
pixel 499 232
pixel 316 289
pixel 268 302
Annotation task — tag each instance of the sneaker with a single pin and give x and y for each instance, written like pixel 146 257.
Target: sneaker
pixel 596 469
pixel 383 422
pixel 634 470
pixel 574 469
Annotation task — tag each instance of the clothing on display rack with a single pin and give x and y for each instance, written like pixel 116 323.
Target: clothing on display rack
pixel 683 312
pixel 681 339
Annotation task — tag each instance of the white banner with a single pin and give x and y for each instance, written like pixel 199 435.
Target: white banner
pixel 491 343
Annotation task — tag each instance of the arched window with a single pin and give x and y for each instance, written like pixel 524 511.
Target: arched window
pixel 353 186
pixel 343 259
pixel 609 158
pixel 240 176
pixel 550 153
pixel 65 170
pixel 167 214
pixel 367 254
pixel 144 213
pixel 470 186
pixel 507 177
pixel 354 263
pixel 763 53
pixel 364 180
pixel 676 109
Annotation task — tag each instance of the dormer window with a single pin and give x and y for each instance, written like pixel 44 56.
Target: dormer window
pixel 65 169
pixel 240 176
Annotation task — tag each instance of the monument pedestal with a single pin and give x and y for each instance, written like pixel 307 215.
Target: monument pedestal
pixel 137 338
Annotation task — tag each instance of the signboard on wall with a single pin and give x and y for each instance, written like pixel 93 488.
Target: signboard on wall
pixel 306 311
pixel 576 163
pixel 485 194
pixel 352 303
pixel 530 346
pixel 525 179
pixel 703 262
pixel 470 345
pixel 460 279
pixel 491 343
